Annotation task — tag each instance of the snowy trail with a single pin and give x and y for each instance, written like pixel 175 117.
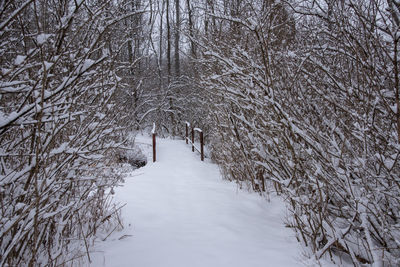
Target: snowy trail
pixel 180 212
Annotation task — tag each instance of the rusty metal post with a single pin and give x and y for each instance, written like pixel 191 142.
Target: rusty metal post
pixel 187 133
pixel 192 139
pixel 201 146
pixel 154 147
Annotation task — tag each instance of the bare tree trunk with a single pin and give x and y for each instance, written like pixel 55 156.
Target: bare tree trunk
pixel 160 43
pixel 161 31
pixel 206 21
pixel 394 9
pixel 209 8
pixel 397 85
pixel 168 43
pixel 177 29
pixel 191 33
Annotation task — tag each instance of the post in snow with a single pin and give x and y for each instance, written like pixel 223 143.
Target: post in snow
pixel 192 140
pixel 187 132
pixel 153 133
pixel 201 146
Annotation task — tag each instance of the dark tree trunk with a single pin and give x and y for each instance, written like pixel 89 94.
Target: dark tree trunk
pixel 177 32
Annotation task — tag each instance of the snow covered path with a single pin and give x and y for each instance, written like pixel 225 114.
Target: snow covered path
pixel 180 212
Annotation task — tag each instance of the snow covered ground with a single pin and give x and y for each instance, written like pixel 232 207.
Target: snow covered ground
pixel 180 212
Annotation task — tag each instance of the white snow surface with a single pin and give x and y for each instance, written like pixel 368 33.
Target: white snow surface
pixel 180 212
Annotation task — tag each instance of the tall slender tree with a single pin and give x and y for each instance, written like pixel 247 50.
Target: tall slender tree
pixel 177 38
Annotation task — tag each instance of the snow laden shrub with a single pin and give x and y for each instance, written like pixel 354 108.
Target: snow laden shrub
pixel 57 124
pixel 315 112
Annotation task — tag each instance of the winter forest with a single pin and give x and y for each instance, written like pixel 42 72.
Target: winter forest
pixel 300 97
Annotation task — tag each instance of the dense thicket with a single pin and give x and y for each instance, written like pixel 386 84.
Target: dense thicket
pixel 59 125
pixel 305 97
